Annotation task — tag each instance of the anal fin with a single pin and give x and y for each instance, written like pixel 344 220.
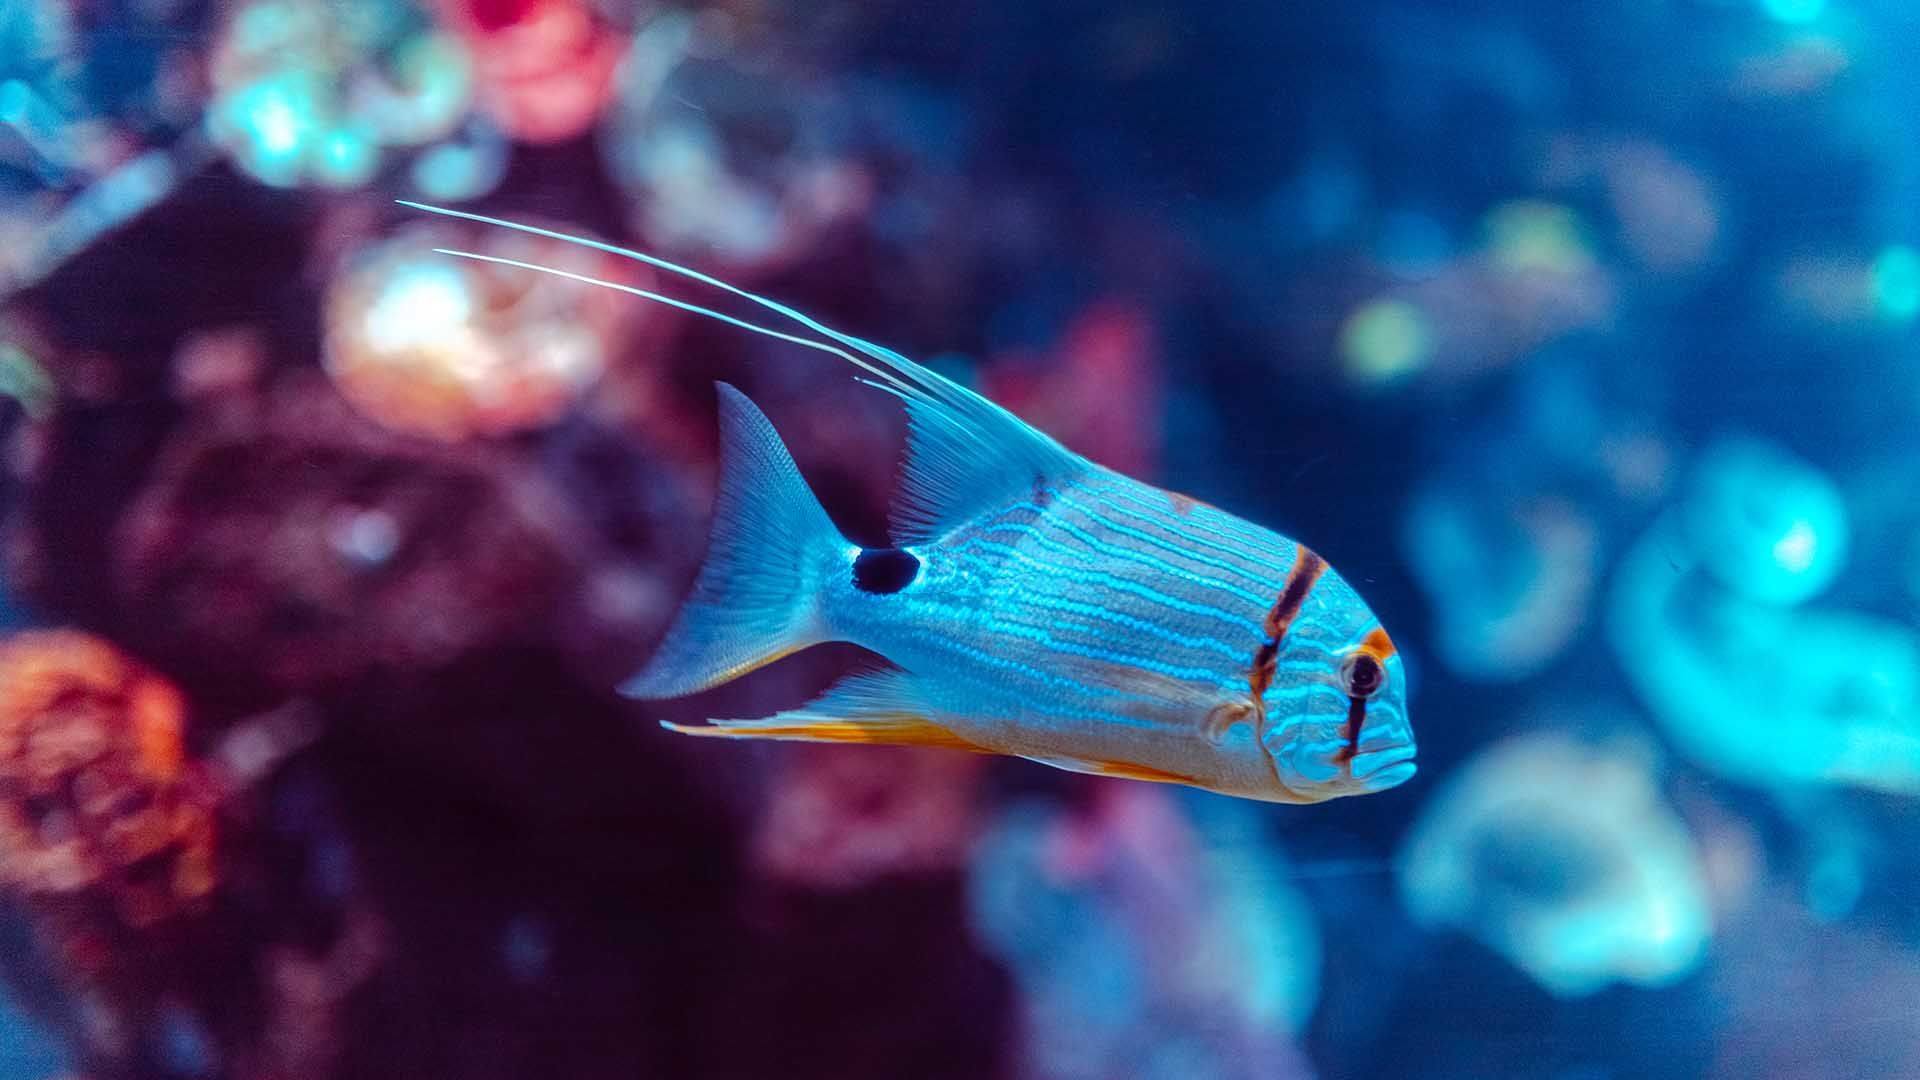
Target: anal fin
pixel 880 708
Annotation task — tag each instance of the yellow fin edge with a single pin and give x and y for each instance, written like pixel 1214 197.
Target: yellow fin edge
pixel 886 730
pixel 1127 771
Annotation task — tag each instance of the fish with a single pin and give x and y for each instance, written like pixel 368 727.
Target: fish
pixel 1031 602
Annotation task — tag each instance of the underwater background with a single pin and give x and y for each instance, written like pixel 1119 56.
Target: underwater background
pixel 1580 336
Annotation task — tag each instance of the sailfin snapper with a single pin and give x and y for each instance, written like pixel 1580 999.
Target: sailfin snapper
pixel 1033 603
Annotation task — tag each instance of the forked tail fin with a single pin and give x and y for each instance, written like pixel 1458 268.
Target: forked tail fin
pixel 758 595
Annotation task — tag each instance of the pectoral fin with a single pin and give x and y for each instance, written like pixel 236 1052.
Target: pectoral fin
pixel 1121 769
pixel 882 707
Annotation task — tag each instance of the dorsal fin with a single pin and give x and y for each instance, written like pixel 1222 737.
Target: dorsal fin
pixel 959 466
pixel 964 452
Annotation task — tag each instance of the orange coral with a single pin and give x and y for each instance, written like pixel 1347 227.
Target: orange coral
pixel 102 815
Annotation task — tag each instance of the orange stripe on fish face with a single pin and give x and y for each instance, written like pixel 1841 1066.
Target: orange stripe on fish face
pixel 1307 568
pixel 1377 644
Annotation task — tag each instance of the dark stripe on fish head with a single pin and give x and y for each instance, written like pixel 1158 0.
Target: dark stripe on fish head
pixel 1307 568
pixel 1362 675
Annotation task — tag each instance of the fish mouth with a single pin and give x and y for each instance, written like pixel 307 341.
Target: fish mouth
pixel 1386 767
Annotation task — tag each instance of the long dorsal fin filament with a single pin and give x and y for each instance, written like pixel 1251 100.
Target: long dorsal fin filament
pixel 964 452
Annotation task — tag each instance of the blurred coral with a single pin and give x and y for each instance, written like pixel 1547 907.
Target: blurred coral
pixel 1565 859
pixel 1532 279
pixel 1099 391
pixel 1767 525
pixel 303 547
pixel 839 818
pixel 1707 619
pixel 1147 943
pixel 106 826
pixel 735 154
pixel 1667 214
pixel 306 92
pixel 545 67
pixel 1514 582
pixel 305 1027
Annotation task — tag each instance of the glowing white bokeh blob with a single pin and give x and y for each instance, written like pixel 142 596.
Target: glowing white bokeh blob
pixel 1765 523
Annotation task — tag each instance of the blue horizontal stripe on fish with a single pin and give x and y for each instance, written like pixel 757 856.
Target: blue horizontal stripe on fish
pixel 1096 546
pixel 1248 543
pixel 1049 638
pixel 1035 688
pixel 1137 654
pixel 1171 543
pixel 1235 538
pixel 1102 579
pixel 1085 616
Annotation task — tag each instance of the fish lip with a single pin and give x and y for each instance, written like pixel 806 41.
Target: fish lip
pixel 1374 764
pixel 1390 776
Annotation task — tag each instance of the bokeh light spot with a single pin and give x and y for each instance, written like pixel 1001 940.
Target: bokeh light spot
pixel 14 98
pixel 1896 282
pixel 1528 235
pixel 276 122
pixel 347 157
pixel 425 303
pixel 1795 549
pixel 1385 339
pixel 1794 11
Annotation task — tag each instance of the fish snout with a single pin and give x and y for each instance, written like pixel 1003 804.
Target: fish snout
pixel 1384 763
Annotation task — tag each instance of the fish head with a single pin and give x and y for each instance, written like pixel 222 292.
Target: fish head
pixel 1336 709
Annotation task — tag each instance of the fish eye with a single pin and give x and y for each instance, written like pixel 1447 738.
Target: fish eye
pixel 1361 675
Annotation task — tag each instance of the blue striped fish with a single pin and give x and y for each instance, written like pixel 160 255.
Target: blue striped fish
pixel 1034 603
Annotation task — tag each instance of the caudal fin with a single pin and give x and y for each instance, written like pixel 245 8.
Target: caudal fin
pixel 758 596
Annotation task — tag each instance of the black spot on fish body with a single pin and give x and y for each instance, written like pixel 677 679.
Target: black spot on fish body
pixel 1042 492
pixel 884 570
